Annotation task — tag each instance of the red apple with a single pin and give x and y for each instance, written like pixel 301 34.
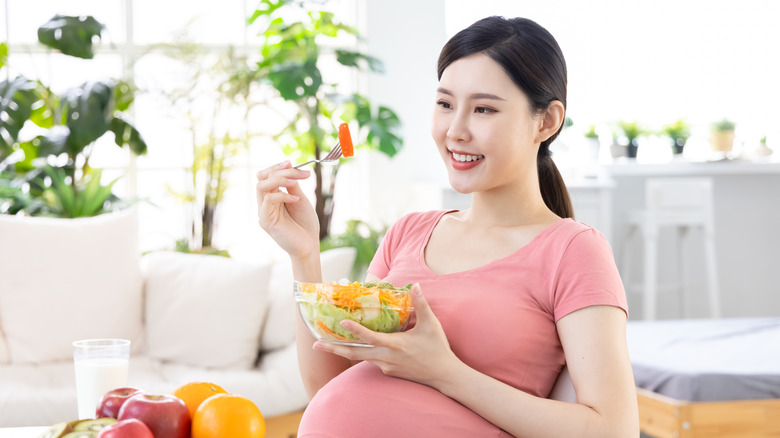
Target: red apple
pixel 130 428
pixel 165 415
pixel 113 400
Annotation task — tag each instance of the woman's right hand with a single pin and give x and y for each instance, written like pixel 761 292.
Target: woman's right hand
pixel 286 215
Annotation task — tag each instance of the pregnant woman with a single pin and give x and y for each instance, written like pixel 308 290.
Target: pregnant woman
pixel 506 293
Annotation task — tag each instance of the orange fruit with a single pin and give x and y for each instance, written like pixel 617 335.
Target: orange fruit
pixel 194 393
pixel 228 415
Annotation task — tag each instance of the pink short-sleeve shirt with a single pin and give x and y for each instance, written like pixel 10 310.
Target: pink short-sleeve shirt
pixel 499 319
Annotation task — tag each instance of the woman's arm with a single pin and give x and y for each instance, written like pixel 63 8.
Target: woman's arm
pixel 594 343
pixel 318 367
pixel 286 215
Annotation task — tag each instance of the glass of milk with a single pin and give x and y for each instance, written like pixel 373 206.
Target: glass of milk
pixel 101 365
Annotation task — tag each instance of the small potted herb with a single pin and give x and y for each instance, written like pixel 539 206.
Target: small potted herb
pixel 678 132
pixel 592 137
pixel 631 131
pixel 722 135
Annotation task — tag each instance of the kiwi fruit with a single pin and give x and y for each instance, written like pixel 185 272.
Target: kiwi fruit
pixel 57 431
pixel 81 434
pixel 93 425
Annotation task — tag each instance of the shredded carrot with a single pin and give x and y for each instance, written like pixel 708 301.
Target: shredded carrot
pixel 330 332
pixel 347 297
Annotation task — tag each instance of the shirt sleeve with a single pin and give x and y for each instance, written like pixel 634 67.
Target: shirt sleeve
pixel 381 263
pixel 587 276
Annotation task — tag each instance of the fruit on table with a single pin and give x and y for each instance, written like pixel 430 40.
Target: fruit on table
pixel 130 428
pixel 165 415
pixel 217 414
pixel 113 400
pixel 228 415
pixel 194 393
pixel 57 431
pixel 93 425
pixel 77 428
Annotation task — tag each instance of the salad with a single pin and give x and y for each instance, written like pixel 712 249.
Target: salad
pixel 378 306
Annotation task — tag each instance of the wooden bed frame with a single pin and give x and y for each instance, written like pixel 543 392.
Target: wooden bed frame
pixel 283 426
pixel 665 417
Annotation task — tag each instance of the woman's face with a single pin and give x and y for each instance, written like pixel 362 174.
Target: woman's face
pixel 483 126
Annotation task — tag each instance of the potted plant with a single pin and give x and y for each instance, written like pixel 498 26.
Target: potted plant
pixel 763 150
pixel 631 131
pixel 215 95
pixel 678 132
pixel 50 174
pixel 291 53
pixel 360 236
pixel 592 137
pixel 722 135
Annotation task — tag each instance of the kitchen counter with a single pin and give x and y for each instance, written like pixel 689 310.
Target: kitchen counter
pixel 687 168
pixel 747 237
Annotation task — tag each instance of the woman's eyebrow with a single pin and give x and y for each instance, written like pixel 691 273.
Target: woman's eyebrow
pixel 474 96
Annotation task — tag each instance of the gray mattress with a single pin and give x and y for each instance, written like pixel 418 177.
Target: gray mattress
pixel 707 359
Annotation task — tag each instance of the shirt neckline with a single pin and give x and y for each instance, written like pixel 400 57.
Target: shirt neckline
pixel 428 271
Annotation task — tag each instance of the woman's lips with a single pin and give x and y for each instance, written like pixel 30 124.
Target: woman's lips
pixel 465 161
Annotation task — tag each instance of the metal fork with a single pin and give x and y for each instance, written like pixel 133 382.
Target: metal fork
pixel 334 155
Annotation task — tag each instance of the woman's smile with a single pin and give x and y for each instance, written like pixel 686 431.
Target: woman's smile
pixel 461 161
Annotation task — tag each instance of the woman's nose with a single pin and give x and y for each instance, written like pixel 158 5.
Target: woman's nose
pixel 459 128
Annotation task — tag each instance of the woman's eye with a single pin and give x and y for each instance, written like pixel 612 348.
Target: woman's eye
pixel 484 110
pixel 444 104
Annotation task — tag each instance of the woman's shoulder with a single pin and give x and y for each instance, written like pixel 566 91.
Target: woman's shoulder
pixel 419 219
pixel 570 228
pixel 568 233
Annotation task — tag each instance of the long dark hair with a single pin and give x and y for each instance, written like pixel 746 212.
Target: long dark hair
pixel 532 58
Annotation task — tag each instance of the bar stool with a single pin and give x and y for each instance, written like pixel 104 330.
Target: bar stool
pixel 682 203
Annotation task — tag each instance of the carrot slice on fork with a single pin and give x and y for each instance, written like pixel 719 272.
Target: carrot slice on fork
pixel 345 139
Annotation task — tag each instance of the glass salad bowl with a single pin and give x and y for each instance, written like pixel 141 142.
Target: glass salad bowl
pixel 380 307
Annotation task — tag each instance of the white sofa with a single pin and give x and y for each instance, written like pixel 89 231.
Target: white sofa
pixel 189 317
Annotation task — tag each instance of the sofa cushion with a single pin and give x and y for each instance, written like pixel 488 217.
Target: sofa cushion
pixel 279 329
pixel 4 357
pixel 68 279
pixel 204 310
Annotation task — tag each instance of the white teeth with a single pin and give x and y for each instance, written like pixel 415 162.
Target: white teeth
pixel 465 158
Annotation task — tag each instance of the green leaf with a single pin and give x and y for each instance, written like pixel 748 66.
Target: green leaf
pixel 17 97
pixel 94 195
pixel 382 126
pixel 124 95
pixel 45 107
pixel 71 35
pixel 88 113
pixel 84 199
pixel 266 8
pixel 355 59
pixel 295 81
pixel 30 150
pixel 3 54
pixel 54 142
pixel 126 134
pixel 60 196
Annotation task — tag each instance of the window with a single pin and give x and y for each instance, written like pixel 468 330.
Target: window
pixel 131 49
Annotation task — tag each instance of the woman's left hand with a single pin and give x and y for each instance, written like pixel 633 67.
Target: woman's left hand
pixel 419 354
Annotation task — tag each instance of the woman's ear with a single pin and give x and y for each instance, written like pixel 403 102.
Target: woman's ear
pixel 551 121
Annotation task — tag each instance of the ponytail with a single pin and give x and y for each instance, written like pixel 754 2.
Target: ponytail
pixel 554 191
